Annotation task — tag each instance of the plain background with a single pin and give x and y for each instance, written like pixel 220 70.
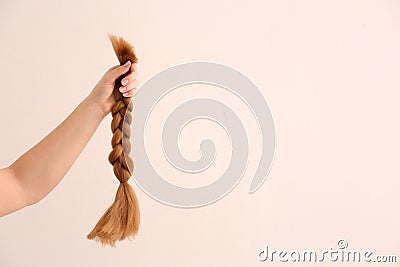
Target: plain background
pixel 328 69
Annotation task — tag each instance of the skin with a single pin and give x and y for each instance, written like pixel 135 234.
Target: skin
pixel 30 178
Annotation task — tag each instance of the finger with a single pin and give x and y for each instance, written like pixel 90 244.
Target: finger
pixel 134 67
pixel 130 77
pixel 130 93
pixel 119 70
pixel 133 90
pixel 132 85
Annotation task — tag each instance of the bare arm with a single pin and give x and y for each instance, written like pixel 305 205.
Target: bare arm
pixel 33 175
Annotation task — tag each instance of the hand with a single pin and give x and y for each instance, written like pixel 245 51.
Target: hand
pixel 102 93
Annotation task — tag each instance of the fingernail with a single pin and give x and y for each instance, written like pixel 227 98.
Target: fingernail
pixel 122 89
pixel 127 63
pixel 124 81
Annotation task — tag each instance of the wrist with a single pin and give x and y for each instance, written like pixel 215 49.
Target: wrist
pixel 96 106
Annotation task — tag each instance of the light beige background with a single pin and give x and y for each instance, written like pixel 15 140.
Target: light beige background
pixel 328 69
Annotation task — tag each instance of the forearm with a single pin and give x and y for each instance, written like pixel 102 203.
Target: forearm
pixel 33 175
pixel 41 168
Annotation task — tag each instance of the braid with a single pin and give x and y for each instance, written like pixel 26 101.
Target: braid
pixel 119 156
pixel 122 218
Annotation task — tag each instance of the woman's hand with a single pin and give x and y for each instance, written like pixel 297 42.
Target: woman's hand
pixel 102 93
pixel 33 175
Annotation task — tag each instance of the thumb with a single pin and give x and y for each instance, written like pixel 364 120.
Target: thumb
pixel 120 70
